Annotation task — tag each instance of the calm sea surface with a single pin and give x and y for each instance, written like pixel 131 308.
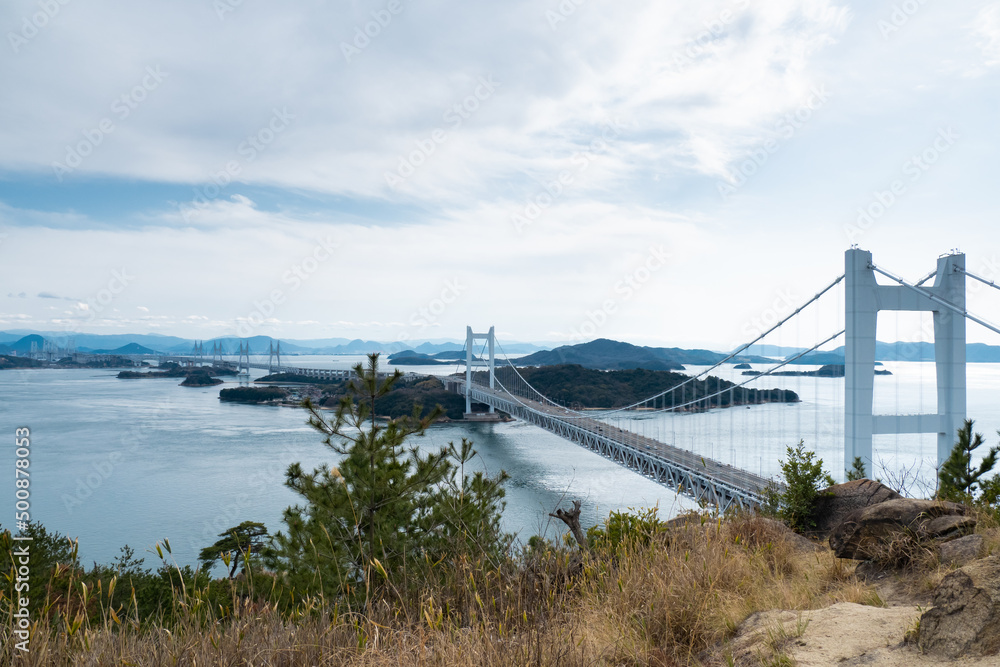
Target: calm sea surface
pixel 119 462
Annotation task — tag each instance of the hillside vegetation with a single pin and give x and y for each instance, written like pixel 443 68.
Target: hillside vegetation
pixel 574 385
pixel 608 354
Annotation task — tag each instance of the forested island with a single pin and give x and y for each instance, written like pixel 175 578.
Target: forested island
pixel 412 358
pixel 194 376
pixel 253 394
pixel 200 380
pixel 427 392
pixel 9 361
pixel 605 354
pixel 573 385
pixel 112 361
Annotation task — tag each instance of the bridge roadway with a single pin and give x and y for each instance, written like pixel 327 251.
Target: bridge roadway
pixel 691 474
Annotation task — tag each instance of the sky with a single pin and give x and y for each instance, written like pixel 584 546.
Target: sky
pixel 661 172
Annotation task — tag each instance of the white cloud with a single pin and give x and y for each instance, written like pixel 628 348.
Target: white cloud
pixel 352 122
pixel 695 90
pixel 987 29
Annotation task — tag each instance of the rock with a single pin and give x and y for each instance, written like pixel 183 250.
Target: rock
pixel 961 550
pixel 948 527
pixel 871 572
pixel 890 527
pixel 839 500
pixel 965 619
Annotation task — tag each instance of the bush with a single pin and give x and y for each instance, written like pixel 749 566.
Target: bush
pixel 958 480
pixel 803 477
pixel 626 529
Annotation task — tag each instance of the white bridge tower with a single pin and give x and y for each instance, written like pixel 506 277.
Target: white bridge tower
pixel 470 341
pixel 864 299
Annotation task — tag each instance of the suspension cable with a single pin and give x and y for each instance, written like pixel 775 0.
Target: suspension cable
pixel 691 378
pixel 936 299
pixel 770 371
pixel 982 280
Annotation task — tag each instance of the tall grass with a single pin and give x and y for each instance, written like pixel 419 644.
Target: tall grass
pixel 670 598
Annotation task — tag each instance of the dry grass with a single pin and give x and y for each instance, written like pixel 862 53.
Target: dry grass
pixel 672 602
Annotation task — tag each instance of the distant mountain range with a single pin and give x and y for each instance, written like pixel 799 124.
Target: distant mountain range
pixel 600 354
pixel 19 342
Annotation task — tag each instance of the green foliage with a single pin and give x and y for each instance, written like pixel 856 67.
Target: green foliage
pixel 404 399
pixel 239 542
pixel 958 480
pixel 802 476
pixel 571 384
pixel 626 529
pixel 370 525
pixel 857 470
pixel 47 552
pixel 252 394
pixel 771 500
pixel 406 395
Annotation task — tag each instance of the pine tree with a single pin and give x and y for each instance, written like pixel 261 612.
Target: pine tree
pixel 385 510
pixel 238 542
pixel 857 470
pixel 958 481
pixel 802 477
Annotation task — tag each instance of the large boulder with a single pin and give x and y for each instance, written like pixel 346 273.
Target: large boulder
pixel 835 503
pixel 961 551
pixel 965 619
pixel 887 531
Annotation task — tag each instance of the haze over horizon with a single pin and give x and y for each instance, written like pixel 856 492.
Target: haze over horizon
pixel 389 171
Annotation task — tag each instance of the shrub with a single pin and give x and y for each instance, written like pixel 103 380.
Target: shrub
pixel 958 480
pixel 803 477
pixel 621 529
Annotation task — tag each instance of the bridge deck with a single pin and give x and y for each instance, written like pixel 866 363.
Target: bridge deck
pixel 698 476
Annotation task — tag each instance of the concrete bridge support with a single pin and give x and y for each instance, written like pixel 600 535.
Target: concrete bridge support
pixel 470 341
pixel 864 299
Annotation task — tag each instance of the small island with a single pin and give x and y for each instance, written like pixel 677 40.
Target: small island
pixel 172 370
pixel 411 358
pixel 253 395
pixel 405 395
pixel 827 371
pixel 200 380
pixel 8 361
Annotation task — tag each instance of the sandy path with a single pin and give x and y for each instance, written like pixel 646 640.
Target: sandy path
pixel 843 634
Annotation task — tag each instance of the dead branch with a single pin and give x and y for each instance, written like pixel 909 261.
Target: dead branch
pixel 572 519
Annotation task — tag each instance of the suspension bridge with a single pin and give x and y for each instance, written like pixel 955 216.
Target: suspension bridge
pixel 620 434
pixel 705 478
pixel 246 361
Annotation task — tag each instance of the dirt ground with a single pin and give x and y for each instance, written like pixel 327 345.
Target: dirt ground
pixel 843 634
